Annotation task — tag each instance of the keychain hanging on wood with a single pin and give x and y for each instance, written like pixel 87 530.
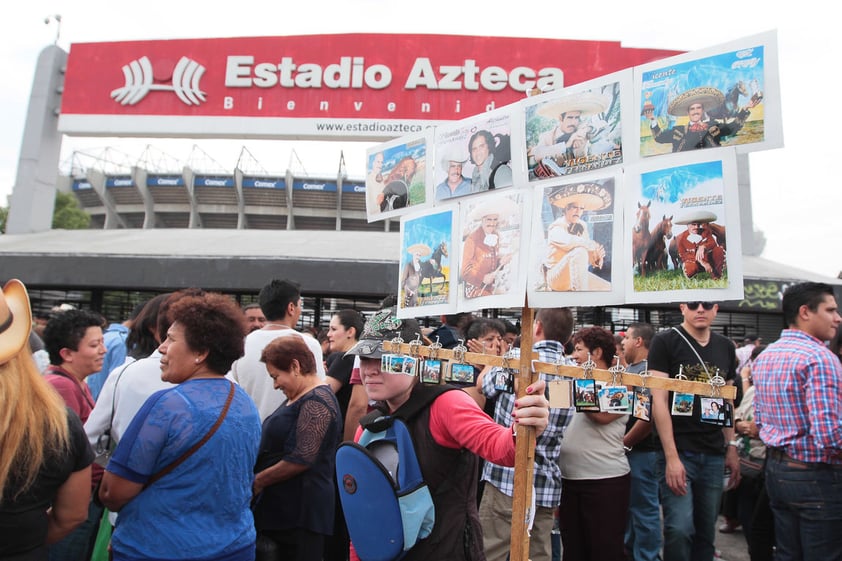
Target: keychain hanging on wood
pixel 642 406
pixel 587 390
pixel 559 392
pixel 682 403
pixel 460 372
pixel 431 367
pixel 614 397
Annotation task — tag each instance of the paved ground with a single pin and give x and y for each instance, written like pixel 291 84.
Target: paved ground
pixel 732 547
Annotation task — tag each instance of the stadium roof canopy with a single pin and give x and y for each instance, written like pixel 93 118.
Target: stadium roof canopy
pixel 325 262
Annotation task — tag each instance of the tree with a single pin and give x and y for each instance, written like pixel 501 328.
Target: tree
pixel 4 213
pixel 68 215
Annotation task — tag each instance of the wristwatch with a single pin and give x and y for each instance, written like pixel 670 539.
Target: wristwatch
pixel 734 443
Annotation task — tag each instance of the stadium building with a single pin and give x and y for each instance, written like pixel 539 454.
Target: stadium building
pixel 159 225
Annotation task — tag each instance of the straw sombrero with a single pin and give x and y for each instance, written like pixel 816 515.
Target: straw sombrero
pixel 707 96
pixel 703 216
pixel 592 196
pixel 420 248
pixel 15 319
pixel 588 103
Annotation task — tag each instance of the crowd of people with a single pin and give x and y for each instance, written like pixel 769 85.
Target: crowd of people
pixel 213 434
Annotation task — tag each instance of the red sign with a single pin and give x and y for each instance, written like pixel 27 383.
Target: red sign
pixel 216 87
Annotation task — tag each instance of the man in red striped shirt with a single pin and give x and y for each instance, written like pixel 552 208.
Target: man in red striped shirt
pixel 798 406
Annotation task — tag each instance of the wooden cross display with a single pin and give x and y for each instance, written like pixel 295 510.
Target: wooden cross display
pixel 528 368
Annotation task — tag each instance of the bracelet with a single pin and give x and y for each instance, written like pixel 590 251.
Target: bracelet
pixel 734 443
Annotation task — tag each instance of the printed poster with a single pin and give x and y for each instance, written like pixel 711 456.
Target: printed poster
pixel 398 177
pixel 578 129
pixel 722 96
pixel 474 155
pixel 491 236
pixel 682 238
pixel 425 284
pixel 575 253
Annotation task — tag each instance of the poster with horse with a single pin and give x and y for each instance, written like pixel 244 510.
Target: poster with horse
pixel 721 96
pixel 425 285
pixel 682 228
pixel 398 178
pixel 575 256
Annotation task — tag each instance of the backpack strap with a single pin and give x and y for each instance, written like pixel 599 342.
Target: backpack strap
pixel 420 398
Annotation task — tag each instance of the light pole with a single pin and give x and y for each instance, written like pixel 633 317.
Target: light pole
pixel 57 18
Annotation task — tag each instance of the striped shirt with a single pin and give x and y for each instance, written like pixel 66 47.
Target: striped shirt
pixel 547 481
pixel 798 398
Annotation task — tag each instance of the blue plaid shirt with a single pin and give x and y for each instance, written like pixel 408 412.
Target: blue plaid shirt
pixel 798 398
pixel 547 481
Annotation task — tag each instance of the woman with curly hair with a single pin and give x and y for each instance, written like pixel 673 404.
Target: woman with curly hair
pixel 181 475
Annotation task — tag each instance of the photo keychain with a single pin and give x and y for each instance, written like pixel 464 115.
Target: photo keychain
pixel 415 354
pixel 586 388
pixel 460 372
pixel 559 392
pixel 614 397
pixel 642 402
pixel 431 367
pixel 504 379
pixel 398 363
pixel 715 410
pixel 682 403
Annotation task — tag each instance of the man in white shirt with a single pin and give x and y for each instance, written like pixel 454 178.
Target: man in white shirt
pixel 281 303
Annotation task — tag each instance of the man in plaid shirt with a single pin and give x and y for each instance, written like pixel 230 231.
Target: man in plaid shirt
pixel 798 407
pixel 551 329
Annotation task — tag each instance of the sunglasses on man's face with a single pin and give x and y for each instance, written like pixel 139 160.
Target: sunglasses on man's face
pixel 695 305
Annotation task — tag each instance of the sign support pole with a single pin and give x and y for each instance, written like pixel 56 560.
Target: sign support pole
pixel 524 448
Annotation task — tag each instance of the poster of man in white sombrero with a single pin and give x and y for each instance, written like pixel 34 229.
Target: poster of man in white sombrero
pixel 577 129
pixel 474 155
pixel 491 233
pixel 575 243
pixel 677 213
pixel 398 177
pixel 721 96
pixel 425 284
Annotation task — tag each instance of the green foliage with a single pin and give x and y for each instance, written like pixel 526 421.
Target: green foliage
pixel 68 215
pixel 4 214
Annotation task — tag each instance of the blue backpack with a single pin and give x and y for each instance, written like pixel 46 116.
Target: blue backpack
pixel 386 502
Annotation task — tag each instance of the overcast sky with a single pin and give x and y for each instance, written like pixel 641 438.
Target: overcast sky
pixel 796 195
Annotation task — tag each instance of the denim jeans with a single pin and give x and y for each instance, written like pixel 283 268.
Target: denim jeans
pixel 690 520
pixel 806 500
pixel 643 532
